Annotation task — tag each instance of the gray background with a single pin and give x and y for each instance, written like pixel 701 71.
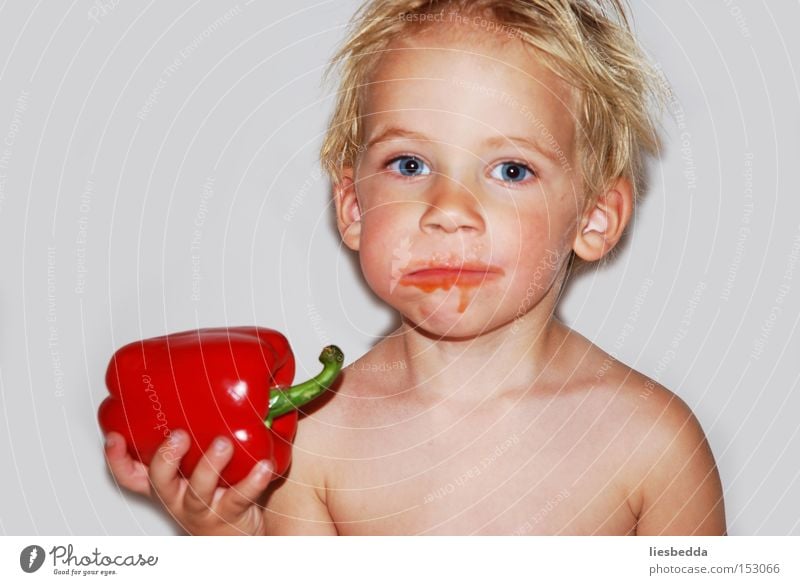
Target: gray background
pixel 158 172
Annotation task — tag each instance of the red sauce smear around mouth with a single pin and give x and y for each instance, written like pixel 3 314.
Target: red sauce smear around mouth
pixel 430 280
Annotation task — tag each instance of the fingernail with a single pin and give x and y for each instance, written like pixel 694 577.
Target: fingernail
pixel 176 437
pixel 221 445
pixel 110 441
pixel 262 468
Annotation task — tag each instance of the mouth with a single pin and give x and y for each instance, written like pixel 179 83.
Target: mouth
pixel 467 277
pixel 466 273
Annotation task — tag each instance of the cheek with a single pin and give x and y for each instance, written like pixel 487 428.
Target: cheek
pixel 522 236
pixel 385 247
pixel 534 253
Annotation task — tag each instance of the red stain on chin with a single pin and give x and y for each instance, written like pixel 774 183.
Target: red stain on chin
pixel 433 279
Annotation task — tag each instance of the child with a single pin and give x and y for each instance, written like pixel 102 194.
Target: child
pixel 478 150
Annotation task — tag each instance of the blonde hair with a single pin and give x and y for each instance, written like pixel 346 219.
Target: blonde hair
pixel 589 44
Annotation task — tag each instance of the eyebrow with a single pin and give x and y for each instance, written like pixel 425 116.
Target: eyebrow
pixel 494 141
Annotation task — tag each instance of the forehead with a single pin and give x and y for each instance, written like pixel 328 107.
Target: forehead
pixel 475 80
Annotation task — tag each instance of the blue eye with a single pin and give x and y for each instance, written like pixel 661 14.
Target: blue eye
pixel 512 171
pixel 409 166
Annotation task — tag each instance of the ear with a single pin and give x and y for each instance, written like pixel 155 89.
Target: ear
pixel 603 224
pixel 348 210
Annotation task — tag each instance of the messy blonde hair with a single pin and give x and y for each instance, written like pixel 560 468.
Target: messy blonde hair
pixel 587 43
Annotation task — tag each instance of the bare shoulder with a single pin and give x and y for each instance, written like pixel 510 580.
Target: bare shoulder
pixel 681 492
pixel 295 503
pixel 299 502
pixel 669 470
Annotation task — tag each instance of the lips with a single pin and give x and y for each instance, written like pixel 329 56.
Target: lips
pixel 433 272
pixel 467 277
pixel 450 268
pixel 466 273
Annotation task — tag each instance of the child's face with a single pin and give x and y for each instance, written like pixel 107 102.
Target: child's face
pixel 451 187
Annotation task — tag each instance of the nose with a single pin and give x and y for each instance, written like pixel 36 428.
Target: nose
pixel 451 206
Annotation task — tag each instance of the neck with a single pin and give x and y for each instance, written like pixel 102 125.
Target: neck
pixel 508 359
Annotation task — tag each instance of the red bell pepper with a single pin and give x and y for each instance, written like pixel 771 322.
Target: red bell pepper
pixel 231 381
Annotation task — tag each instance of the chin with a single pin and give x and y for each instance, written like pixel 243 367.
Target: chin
pixel 450 325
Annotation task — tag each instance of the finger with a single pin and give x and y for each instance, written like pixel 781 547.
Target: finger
pixel 244 494
pixel 127 471
pixel 205 477
pixel 164 473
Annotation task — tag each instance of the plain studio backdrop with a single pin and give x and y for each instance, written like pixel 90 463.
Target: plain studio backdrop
pixel 158 173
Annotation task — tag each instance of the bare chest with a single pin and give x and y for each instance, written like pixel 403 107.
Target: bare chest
pixel 518 471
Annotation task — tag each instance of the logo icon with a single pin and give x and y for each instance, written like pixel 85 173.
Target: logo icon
pixel 31 558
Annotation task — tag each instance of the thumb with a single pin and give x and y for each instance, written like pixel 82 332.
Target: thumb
pixel 128 472
pixel 245 494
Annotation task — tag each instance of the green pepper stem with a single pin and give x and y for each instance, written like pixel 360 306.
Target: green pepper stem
pixel 283 400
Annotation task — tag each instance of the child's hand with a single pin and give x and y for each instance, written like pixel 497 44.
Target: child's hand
pixel 197 504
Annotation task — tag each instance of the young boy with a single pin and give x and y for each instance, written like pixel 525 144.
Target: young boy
pixel 477 150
